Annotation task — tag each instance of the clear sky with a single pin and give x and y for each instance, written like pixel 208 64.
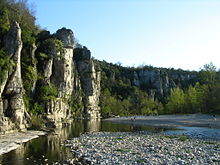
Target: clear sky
pixel 163 33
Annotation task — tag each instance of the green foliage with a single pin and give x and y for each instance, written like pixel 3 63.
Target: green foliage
pixel 51 46
pixel 203 97
pixel 43 56
pixel 137 103
pixel 21 12
pixel 176 101
pixel 208 74
pixel 29 77
pixel 76 106
pixel 47 49
pixel 37 109
pixel 37 122
pixel 5 64
pixel 4 20
pixel 145 105
pixel 47 93
pixel 183 138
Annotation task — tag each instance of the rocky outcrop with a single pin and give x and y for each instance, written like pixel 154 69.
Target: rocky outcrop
pixel 59 70
pixel 12 104
pixel 90 81
pixel 73 73
pixel 157 82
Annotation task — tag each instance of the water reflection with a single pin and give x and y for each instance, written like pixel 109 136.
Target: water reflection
pixel 48 149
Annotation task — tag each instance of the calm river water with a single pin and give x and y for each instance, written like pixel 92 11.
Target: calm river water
pixel 48 149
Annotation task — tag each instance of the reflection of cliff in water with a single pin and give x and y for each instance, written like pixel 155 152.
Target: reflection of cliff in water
pixel 49 149
pixel 93 125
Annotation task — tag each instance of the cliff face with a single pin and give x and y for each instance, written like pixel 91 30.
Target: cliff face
pixel 12 106
pixel 159 82
pixel 76 82
pixel 90 79
pixel 60 72
pixel 74 79
pixel 156 81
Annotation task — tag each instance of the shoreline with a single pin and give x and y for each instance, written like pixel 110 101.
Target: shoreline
pixel 170 121
pixel 11 141
pixel 141 148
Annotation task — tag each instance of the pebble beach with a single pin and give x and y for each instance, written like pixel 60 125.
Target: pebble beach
pixel 142 148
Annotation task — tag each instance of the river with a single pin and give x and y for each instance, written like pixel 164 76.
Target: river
pixel 48 149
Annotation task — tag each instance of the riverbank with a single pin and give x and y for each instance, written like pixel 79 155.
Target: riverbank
pixel 191 120
pixel 143 148
pixel 11 141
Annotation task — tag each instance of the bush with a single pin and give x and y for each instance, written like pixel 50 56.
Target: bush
pixel 5 64
pixel 37 109
pixel 47 92
pixel 37 122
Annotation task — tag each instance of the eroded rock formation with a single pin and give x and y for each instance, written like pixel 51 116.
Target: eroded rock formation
pixel 155 80
pixel 12 104
pixel 159 82
pixel 76 81
pixel 90 79
pixel 74 78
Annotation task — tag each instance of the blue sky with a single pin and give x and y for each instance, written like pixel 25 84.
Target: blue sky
pixel 163 33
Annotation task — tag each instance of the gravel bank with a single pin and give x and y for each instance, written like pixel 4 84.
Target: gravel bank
pixel 11 141
pixel 142 148
pixel 191 120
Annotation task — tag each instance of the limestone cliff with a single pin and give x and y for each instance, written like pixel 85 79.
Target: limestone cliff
pixel 58 70
pixel 12 106
pixel 76 80
pixel 158 82
pixel 90 81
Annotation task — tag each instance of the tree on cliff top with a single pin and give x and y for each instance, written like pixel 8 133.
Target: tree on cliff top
pixel 21 12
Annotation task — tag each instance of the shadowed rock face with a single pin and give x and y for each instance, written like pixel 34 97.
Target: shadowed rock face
pixel 90 81
pixel 158 81
pixel 13 109
pixel 66 36
pixel 73 77
pixel 77 71
pixel 60 71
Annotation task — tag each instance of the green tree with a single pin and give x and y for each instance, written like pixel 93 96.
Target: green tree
pixel 192 100
pixel 176 101
pixel 208 74
pixel 21 12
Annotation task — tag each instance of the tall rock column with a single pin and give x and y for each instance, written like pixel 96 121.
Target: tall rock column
pixel 90 81
pixel 63 63
pixel 62 76
pixel 14 107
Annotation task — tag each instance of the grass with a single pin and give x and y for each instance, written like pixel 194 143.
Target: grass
pixel 183 138
pixel 171 136
pixel 140 161
pixel 180 137
pixel 37 123
pixel 122 150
